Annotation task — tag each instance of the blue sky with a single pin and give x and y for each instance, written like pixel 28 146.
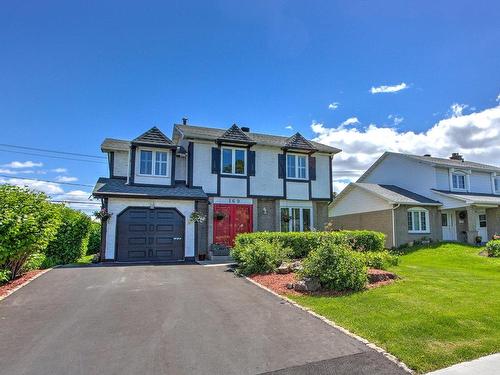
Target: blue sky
pixel 72 73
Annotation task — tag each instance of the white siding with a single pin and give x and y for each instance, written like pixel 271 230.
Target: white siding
pixel 297 190
pixel 233 187
pixel 320 188
pixel 117 205
pixel 442 179
pixel 155 180
pixel 120 167
pixel 180 168
pixel 266 181
pixel 358 201
pixel 481 182
pixel 202 168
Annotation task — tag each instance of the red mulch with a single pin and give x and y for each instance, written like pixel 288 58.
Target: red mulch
pixel 277 283
pixel 6 288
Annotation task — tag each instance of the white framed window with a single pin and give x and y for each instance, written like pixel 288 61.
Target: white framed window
pixel 458 181
pixel 295 219
pixel 234 161
pixel 497 185
pixel 157 168
pixel 296 166
pixel 418 220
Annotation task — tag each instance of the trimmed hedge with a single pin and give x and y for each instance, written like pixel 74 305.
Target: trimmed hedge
pixel 71 241
pixel 94 239
pixel 336 267
pixel 493 248
pixel 302 243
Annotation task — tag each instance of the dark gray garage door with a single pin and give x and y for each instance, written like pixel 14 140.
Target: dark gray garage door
pixel 145 234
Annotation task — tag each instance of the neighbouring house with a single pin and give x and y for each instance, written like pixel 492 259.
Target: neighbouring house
pixel 238 180
pixel 412 198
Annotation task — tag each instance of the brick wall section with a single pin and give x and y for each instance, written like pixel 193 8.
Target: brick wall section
pixel 266 215
pixel 320 219
pixel 202 229
pixel 401 219
pixel 380 221
pixel 493 220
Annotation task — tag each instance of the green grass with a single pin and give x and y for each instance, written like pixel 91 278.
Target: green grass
pixel 86 259
pixel 444 310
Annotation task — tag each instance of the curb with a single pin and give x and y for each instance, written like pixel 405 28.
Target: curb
pixel 331 323
pixel 26 283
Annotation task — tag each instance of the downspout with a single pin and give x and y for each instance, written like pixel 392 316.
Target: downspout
pixel 394 208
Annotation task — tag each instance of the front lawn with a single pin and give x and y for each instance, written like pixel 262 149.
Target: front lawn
pixel 444 310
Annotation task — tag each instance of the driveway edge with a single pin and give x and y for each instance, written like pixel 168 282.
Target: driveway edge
pixel 26 283
pixel 331 323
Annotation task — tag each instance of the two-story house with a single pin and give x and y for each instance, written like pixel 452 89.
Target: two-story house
pixel 238 180
pixel 411 197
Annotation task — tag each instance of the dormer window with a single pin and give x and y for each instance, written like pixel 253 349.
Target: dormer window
pixel 296 166
pixel 158 168
pixel 233 161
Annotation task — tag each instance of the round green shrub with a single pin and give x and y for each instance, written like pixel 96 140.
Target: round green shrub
pixel 336 267
pixel 380 260
pixel 28 222
pixel 493 248
pixel 259 256
pixel 71 241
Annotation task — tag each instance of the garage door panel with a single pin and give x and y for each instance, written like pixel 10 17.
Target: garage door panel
pixel 159 228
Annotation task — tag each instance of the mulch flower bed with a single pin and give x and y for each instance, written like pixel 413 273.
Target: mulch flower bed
pixel 6 288
pixel 278 282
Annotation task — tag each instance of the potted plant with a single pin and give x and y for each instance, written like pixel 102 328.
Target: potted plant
pixel 197 217
pixel 479 240
pixel 219 215
pixel 103 214
pixel 285 218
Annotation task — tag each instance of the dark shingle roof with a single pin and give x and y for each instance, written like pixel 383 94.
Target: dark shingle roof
pixel 235 134
pixel 297 141
pixel 212 134
pixel 153 137
pixel 119 187
pixel 396 194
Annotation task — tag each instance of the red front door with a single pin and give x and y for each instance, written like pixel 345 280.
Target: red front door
pixel 229 220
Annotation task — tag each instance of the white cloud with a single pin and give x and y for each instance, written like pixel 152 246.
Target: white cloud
pixel 333 106
pixel 475 135
pixel 59 170
pixel 289 127
pixel 457 109
pixel 396 119
pixel 13 172
pixel 350 121
pixel 23 164
pixel 49 188
pixel 389 89
pixel 498 98
pixel 66 179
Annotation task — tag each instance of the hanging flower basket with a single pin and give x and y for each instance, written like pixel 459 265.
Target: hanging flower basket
pixel 219 215
pixel 197 217
pixel 103 214
pixel 462 215
pixel 285 218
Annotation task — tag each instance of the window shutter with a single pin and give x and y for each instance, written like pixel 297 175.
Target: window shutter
pixel 215 160
pixel 281 166
pixel 312 168
pixel 251 163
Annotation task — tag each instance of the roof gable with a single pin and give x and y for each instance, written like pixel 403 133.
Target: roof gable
pixel 153 137
pixel 235 134
pixel 298 142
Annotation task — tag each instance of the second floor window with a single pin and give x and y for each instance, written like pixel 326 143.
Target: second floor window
pixel 497 184
pixel 296 166
pixel 234 161
pixel 158 168
pixel 458 181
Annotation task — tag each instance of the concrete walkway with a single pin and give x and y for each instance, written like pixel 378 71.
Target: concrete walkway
pixel 488 365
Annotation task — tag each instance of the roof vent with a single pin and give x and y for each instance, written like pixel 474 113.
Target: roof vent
pixel 427 155
pixel 184 121
pixel 245 129
pixel 456 156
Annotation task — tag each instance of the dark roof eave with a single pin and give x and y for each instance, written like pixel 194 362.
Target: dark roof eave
pixel 145 196
pixel 155 145
pixel 234 141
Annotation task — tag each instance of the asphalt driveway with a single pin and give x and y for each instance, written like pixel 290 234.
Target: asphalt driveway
pixel 160 319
